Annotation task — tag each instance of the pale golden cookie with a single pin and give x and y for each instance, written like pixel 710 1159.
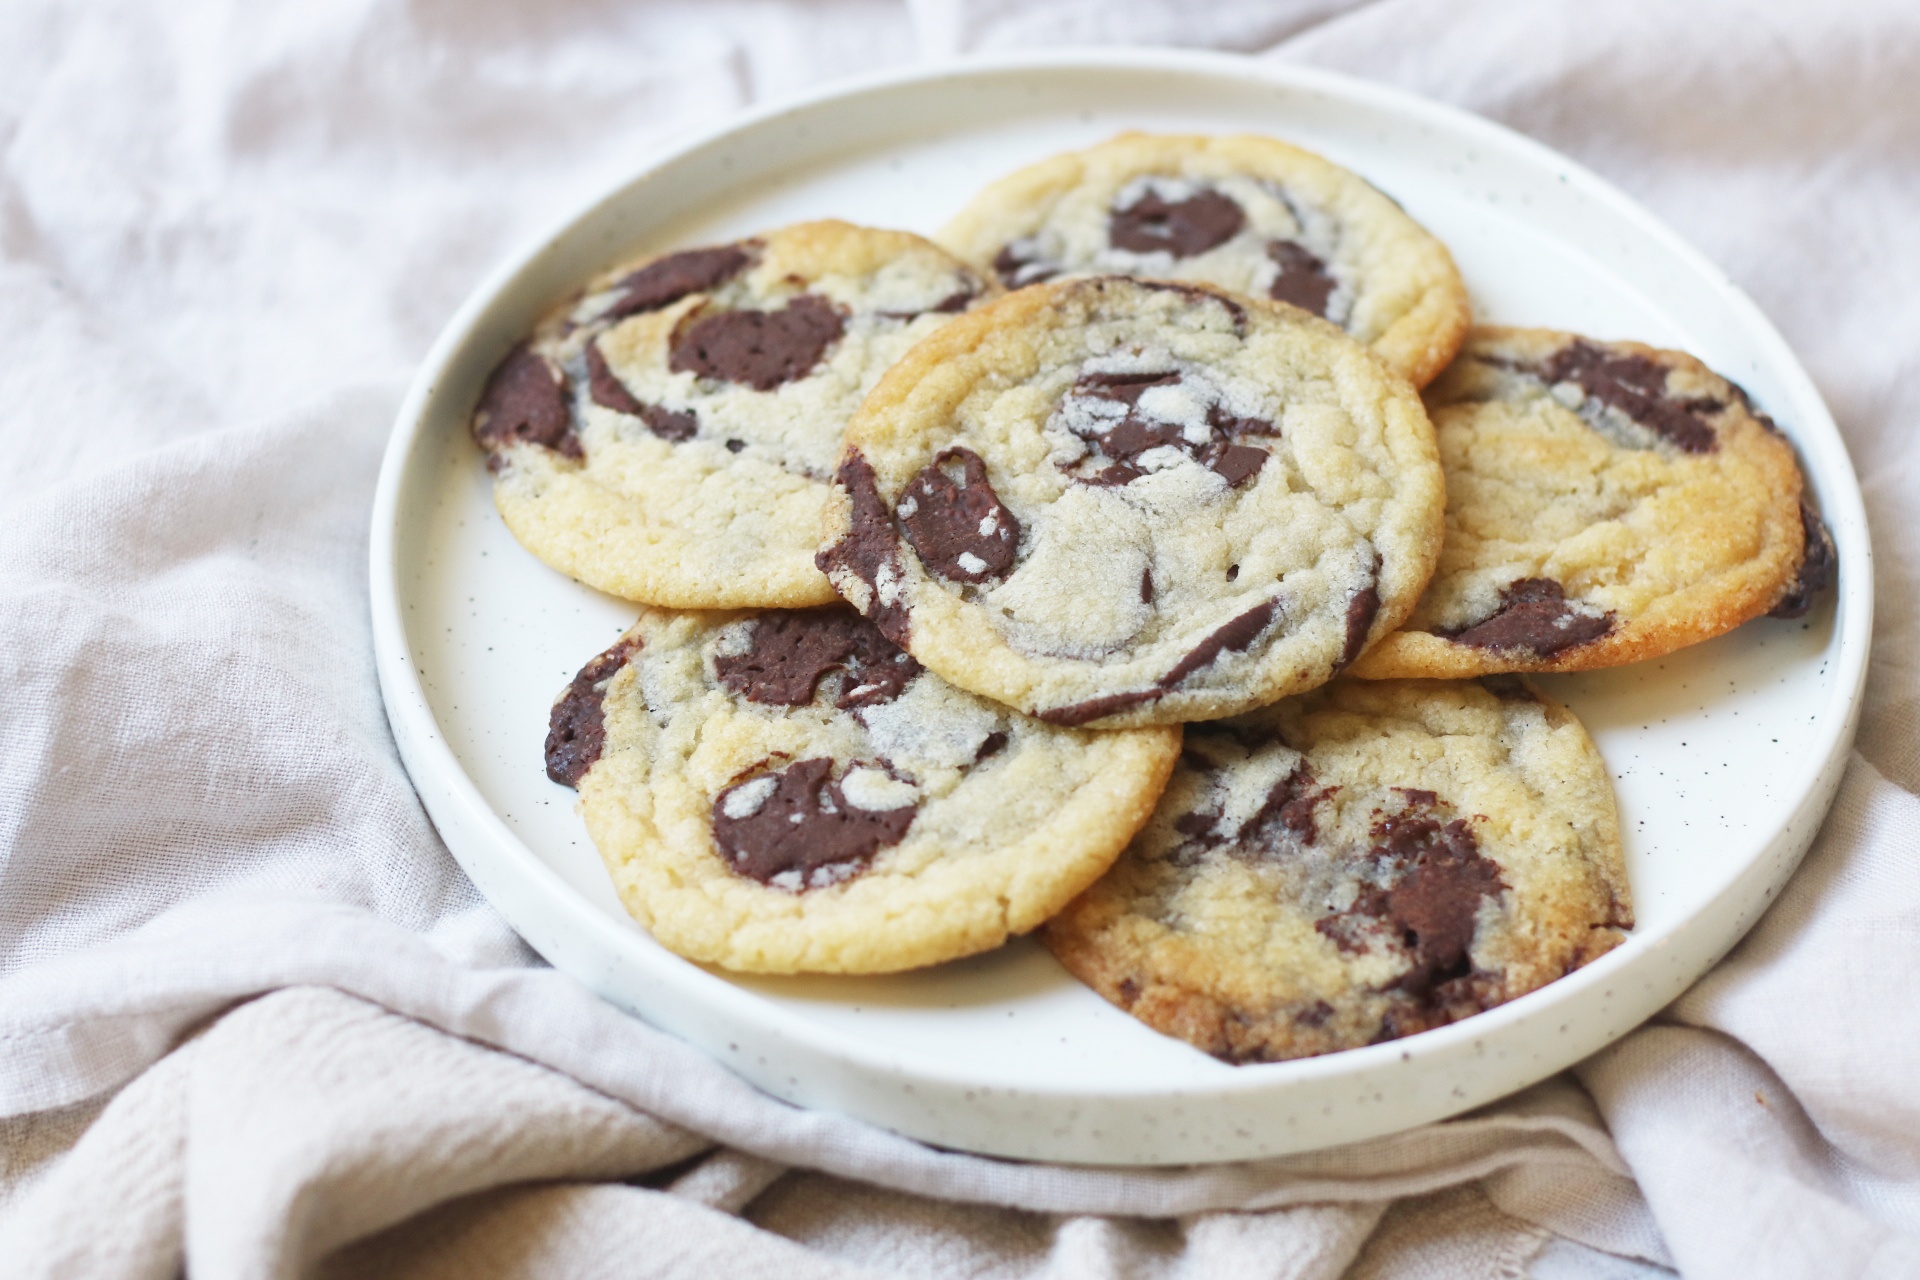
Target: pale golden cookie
pixel 1244 212
pixel 787 792
pixel 1606 503
pixel 668 436
pixel 1355 865
pixel 1125 502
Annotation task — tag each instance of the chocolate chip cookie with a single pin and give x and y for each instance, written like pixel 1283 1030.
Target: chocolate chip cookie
pixel 787 791
pixel 1606 502
pixel 1247 213
pixel 1358 864
pixel 1109 502
pixel 669 435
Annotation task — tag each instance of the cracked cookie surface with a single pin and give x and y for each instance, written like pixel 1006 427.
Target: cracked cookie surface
pixel 1246 213
pixel 1357 864
pixel 668 436
pixel 786 791
pixel 1607 502
pixel 1117 502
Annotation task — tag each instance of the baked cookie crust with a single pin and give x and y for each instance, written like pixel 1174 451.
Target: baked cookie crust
pixel 1360 863
pixel 1117 502
pixel 669 435
pixel 787 792
pixel 1607 502
pixel 1244 212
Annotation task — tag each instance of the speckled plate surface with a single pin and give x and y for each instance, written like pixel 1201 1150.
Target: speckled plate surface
pixel 1725 756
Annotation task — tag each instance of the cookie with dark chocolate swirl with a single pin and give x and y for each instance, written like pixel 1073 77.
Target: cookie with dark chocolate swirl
pixel 787 791
pixel 1607 502
pixel 1360 863
pixel 669 434
pixel 1246 213
pixel 1110 502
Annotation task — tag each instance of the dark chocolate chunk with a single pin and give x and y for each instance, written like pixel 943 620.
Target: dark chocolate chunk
pixel 1285 821
pixel 1234 636
pixel 1204 827
pixel 1290 805
pixel 1637 387
pixel 1435 904
pixel 870 547
pixel 954 303
pixel 607 391
pixel 1123 387
pixel 1128 437
pixel 1361 611
pixel 1146 586
pixel 1019 264
pixel 1080 713
pixel 1303 279
pixel 675 425
pixel 525 401
pixel 1115 476
pixel 1183 228
pixel 1816 567
pixel 960 528
pixel 576 731
pixel 759 349
pixel 1201 829
pixel 735 446
pixel 1226 426
pixel 1534 614
pixel 1508 688
pixel 605 388
pixel 789 650
pixel 665 281
pixel 1435 878
pixel 1236 463
pixel 1131 435
pixel 804 824
pixel 991 745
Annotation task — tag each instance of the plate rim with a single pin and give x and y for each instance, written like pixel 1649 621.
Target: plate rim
pixel 433 766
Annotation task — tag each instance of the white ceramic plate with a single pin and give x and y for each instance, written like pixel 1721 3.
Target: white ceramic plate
pixel 1725 756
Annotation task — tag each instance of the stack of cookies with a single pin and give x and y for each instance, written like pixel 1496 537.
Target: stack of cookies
pixel 1101 567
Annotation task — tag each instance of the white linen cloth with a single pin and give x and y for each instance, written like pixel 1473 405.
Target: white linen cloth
pixel 253 1020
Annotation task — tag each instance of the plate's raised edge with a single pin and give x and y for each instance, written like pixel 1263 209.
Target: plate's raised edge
pixel 453 800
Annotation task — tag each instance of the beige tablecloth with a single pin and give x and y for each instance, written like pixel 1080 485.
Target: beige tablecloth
pixel 253 1020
